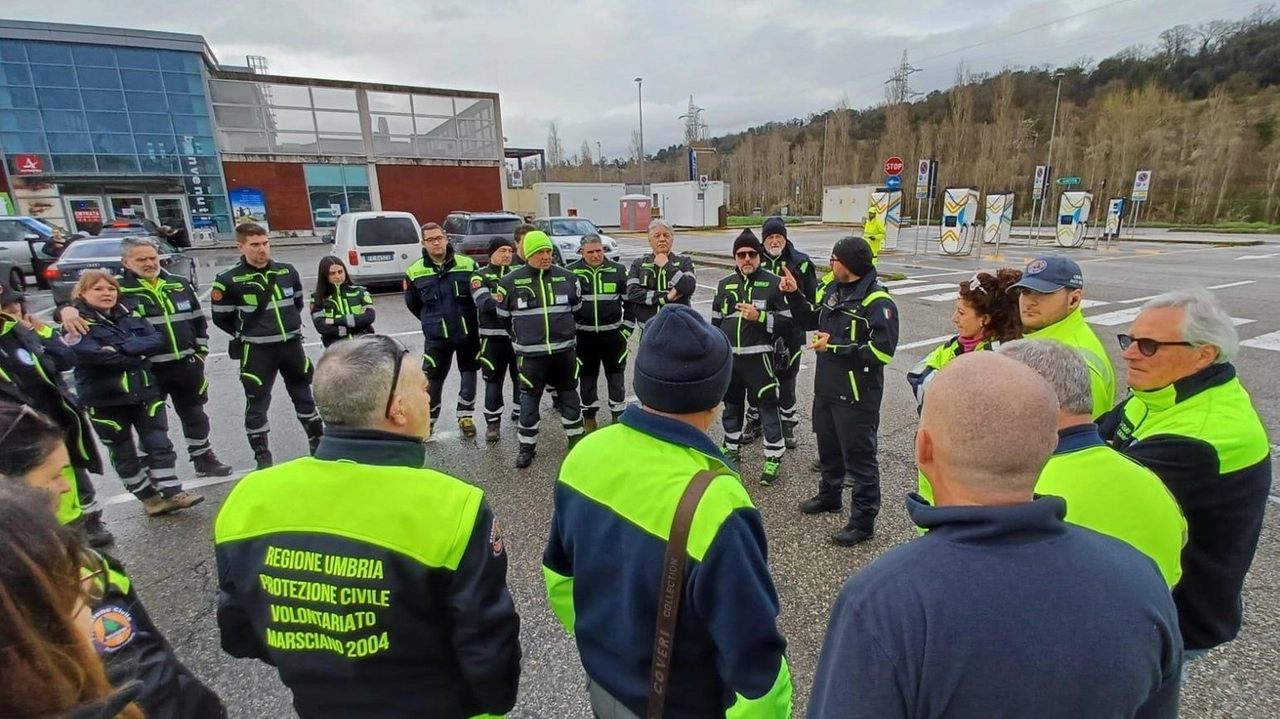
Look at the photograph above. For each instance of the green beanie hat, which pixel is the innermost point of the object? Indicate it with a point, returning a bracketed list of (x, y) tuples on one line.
[(536, 241)]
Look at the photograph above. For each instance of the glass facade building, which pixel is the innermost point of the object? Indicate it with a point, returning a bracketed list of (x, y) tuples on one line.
[(107, 114)]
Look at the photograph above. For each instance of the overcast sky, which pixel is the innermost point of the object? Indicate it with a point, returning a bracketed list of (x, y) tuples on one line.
[(746, 62)]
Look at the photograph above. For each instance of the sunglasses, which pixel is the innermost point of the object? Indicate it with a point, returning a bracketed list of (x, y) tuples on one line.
[(24, 412), (1147, 346), (746, 254), (398, 353)]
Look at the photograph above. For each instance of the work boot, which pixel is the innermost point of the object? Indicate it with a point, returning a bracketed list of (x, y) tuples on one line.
[(468, 426), (733, 455), (820, 503), (159, 505), (525, 457), (849, 536), (770, 473), (815, 465), (94, 531), (261, 451), (750, 431), (186, 500), (589, 424), (207, 465), (492, 432), (315, 430), (789, 436)]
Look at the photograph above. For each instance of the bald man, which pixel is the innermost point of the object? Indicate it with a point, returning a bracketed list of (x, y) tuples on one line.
[(1002, 609)]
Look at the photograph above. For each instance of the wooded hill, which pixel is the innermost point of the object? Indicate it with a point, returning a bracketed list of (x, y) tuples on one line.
[(1201, 109)]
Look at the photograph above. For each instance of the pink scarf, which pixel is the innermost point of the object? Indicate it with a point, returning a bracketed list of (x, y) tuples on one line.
[(969, 343)]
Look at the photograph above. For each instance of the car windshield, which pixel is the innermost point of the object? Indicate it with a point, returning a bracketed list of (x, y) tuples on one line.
[(494, 226), (105, 249), (572, 227)]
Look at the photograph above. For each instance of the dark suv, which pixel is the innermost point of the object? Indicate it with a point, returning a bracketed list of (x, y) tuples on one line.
[(469, 232)]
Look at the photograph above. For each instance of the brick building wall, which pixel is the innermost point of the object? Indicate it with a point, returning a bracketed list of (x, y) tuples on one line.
[(285, 188), (431, 191)]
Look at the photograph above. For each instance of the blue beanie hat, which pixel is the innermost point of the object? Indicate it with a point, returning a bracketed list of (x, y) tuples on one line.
[(773, 226), (684, 364)]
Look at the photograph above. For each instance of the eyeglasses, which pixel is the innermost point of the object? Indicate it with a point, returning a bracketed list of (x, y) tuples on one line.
[(398, 351), (23, 412), (1147, 346), (93, 576), (435, 240), (834, 259), (746, 254)]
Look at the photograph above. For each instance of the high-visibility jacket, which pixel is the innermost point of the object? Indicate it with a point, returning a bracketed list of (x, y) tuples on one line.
[(760, 290), (862, 320), (376, 587), (924, 372), (604, 290), (648, 284), (805, 273), (484, 282), (537, 307), (347, 312), (439, 295), (873, 232), (619, 489), (259, 305), (172, 306), (1203, 437), (1074, 332)]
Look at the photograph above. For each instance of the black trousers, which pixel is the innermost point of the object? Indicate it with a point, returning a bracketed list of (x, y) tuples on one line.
[(497, 362), (152, 473), (608, 350), (437, 358), (847, 440), (753, 377), (786, 362), (258, 369), (558, 371), (184, 382)]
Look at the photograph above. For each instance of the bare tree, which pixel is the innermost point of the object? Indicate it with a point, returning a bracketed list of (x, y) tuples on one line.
[(1211, 34), (1176, 41), (585, 154), (555, 148)]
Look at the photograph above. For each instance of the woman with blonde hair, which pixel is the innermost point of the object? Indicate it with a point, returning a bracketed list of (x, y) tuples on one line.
[(115, 381)]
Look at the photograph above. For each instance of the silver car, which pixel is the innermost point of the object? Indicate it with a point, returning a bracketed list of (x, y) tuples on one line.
[(566, 234), (103, 253)]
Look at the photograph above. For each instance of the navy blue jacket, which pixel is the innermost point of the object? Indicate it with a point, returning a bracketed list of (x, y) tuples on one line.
[(121, 375), (440, 297), (1001, 612)]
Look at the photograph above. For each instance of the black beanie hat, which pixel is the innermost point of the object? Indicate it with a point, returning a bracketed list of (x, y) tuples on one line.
[(773, 226), (748, 240), (855, 254), (497, 242), (684, 364)]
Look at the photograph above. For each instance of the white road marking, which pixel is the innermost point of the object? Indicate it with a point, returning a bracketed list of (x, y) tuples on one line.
[(925, 343), (1138, 299), (1242, 283), (900, 283), (125, 497), (1119, 317), (1269, 341), (944, 297), (1258, 257), (922, 289), (1087, 304), (318, 344)]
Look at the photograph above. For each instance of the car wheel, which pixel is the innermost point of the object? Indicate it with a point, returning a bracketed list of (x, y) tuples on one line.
[(194, 278), (556, 258), (17, 280)]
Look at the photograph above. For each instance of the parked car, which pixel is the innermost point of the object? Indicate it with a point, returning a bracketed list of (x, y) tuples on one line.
[(22, 241), (11, 275), (325, 218), (469, 232), (143, 225), (103, 253), (377, 247), (566, 234)]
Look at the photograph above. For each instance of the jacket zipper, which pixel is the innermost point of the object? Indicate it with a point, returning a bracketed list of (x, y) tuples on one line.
[(546, 310)]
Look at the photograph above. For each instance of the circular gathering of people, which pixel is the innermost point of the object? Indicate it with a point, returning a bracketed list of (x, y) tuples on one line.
[(1117, 536)]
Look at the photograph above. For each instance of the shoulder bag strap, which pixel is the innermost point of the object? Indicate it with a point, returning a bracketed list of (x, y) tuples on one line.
[(672, 589)]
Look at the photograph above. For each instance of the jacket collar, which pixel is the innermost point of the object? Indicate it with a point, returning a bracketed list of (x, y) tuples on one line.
[(1187, 387), (1016, 524), (1064, 326), (91, 312), (445, 263), (858, 289), (371, 446), (131, 278), (673, 431), (1081, 436)]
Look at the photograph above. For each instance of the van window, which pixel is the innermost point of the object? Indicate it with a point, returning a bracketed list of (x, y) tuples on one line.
[(380, 231), (496, 226)]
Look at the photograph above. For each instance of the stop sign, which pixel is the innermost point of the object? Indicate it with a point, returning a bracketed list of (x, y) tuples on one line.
[(893, 166)]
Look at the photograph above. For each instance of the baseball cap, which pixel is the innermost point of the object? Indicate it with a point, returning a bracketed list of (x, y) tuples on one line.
[(1050, 274)]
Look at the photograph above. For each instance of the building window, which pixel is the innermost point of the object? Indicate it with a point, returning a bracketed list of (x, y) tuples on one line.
[(335, 190)]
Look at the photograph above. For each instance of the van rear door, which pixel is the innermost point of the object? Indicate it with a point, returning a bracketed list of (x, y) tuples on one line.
[(387, 245)]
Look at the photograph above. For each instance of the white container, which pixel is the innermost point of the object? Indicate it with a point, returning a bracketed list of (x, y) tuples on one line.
[(686, 204), (595, 201), (999, 218), (889, 204), (847, 205)]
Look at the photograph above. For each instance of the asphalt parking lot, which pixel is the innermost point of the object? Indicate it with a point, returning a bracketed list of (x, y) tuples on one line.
[(171, 558)]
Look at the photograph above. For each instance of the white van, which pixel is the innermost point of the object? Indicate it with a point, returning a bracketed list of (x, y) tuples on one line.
[(377, 247)]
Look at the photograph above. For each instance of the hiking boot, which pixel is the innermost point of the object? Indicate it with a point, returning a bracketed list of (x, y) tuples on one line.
[(750, 432), (819, 504), (589, 424), (94, 531), (207, 465), (849, 536), (158, 505), (789, 436), (492, 432), (186, 500), (261, 451), (525, 457), (733, 455), (468, 426), (770, 473)]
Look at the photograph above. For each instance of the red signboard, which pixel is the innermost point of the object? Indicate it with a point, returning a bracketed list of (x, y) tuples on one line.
[(893, 166), (29, 164)]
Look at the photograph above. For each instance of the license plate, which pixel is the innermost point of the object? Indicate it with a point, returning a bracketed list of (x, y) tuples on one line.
[(380, 257)]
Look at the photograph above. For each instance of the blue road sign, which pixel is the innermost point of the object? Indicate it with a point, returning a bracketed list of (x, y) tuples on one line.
[(893, 182)]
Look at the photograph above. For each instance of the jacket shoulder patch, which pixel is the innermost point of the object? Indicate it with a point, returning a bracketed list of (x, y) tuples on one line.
[(495, 538), (113, 629)]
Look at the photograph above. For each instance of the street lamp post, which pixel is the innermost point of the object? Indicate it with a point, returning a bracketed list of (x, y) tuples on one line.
[(1048, 164), (640, 95), (600, 160)]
